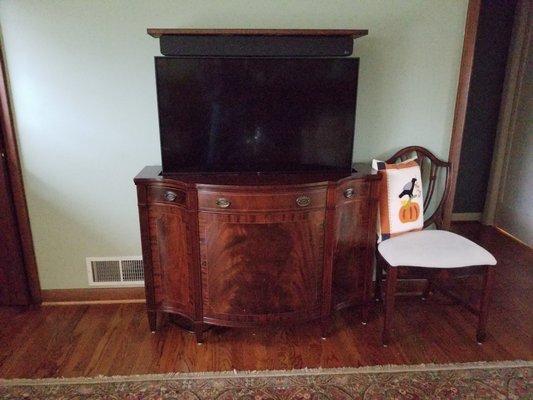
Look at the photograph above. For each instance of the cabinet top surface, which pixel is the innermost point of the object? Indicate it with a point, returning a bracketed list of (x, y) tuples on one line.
[(354, 33), (154, 173)]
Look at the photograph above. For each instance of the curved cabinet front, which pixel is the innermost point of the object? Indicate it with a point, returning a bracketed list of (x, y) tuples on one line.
[(250, 255)]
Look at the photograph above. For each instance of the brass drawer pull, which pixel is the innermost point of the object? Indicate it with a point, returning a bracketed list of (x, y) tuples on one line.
[(303, 201), (170, 196), (349, 193), (223, 203)]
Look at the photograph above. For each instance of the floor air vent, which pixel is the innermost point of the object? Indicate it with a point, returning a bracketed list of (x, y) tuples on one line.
[(115, 271)]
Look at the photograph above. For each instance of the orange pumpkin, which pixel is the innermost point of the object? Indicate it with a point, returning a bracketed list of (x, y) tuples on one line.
[(409, 212)]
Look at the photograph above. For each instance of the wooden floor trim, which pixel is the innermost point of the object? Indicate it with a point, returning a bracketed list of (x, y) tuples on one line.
[(93, 296), (54, 297), (510, 235), (81, 302)]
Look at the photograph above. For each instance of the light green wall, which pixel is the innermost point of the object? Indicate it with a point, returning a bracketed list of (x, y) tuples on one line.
[(82, 79)]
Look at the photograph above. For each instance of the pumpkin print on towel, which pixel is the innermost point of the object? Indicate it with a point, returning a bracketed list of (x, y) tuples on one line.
[(410, 210), (400, 202)]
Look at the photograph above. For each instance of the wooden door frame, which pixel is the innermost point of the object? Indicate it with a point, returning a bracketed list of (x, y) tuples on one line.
[(7, 130), (461, 104)]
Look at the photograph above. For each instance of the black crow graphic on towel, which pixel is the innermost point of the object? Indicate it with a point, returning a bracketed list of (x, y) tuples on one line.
[(408, 189)]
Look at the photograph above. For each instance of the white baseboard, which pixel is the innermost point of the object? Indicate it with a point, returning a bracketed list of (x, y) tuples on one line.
[(466, 216)]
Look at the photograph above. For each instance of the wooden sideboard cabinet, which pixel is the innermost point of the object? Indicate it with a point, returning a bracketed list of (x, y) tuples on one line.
[(242, 250)]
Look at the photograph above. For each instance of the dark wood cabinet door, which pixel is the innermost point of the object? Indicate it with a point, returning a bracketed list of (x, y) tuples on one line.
[(261, 267), (353, 251), (170, 244)]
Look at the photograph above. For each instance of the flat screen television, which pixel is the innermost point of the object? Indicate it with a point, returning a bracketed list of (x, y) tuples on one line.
[(256, 114)]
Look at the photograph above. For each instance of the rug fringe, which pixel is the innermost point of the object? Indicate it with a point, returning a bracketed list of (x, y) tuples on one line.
[(389, 368)]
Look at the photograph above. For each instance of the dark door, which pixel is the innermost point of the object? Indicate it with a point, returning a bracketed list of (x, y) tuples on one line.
[(13, 282)]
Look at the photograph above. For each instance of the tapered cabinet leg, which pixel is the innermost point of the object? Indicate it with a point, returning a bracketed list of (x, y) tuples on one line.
[(325, 327), (390, 292), (152, 320), (199, 330), (488, 282)]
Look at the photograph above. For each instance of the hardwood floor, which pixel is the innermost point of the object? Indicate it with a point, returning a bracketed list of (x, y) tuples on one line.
[(114, 339)]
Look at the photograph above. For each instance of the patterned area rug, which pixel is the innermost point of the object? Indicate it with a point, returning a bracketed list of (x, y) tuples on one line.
[(496, 380)]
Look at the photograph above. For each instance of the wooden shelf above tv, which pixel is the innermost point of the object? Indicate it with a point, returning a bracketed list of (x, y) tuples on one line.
[(354, 33)]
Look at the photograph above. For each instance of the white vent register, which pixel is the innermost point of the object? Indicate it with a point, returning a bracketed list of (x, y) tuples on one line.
[(115, 271)]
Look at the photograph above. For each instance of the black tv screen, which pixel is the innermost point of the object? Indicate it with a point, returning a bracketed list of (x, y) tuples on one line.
[(256, 114)]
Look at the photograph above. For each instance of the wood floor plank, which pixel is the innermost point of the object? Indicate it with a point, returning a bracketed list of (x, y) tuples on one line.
[(114, 339)]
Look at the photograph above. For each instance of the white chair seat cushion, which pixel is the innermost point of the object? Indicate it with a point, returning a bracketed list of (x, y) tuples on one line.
[(433, 249)]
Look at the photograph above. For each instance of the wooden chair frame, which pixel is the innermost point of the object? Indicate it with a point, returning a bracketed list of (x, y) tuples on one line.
[(435, 276)]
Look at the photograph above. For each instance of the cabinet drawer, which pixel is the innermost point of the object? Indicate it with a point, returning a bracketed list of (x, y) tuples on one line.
[(352, 190), (271, 200), (167, 195)]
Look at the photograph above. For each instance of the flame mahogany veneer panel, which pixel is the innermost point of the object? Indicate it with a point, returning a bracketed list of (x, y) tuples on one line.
[(171, 258), (261, 266)]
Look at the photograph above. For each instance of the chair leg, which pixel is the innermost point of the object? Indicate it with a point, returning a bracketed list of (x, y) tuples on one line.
[(390, 292), (325, 327), (488, 281), (364, 312), (379, 279)]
